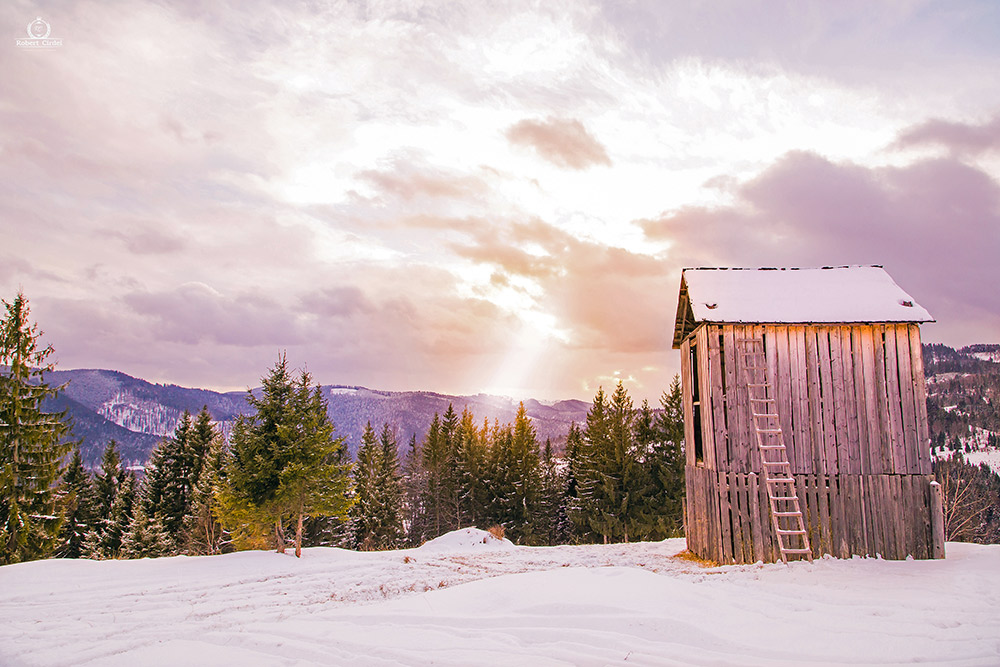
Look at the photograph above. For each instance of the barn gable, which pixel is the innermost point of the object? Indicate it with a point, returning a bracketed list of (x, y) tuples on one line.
[(845, 294)]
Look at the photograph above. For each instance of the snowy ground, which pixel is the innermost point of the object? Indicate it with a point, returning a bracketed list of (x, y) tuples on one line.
[(460, 601)]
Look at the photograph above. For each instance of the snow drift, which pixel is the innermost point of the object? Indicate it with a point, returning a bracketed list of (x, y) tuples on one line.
[(461, 602)]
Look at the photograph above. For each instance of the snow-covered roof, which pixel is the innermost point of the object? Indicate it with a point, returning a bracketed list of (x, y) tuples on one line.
[(843, 294)]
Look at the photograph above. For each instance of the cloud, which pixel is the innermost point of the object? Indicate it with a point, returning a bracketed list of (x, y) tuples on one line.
[(563, 142), (959, 138), (409, 177), (934, 225)]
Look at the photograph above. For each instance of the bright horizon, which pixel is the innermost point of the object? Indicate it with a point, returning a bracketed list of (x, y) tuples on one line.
[(486, 197)]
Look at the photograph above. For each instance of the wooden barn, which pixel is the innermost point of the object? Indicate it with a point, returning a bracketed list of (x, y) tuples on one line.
[(805, 416)]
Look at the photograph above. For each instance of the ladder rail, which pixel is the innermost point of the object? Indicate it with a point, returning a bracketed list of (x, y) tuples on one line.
[(773, 453)]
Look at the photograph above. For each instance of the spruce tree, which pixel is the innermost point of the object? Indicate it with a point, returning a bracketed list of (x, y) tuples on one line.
[(666, 458), (470, 462), (554, 524), (415, 495), (105, 541), (108, 479), (203, 534), (391, 485), (78, 501), (364, 512), (285, 463), (435, 461), (31, 452), (146, 537)]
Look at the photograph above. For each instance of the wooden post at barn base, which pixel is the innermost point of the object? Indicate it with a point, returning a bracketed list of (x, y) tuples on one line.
[(937, 521)]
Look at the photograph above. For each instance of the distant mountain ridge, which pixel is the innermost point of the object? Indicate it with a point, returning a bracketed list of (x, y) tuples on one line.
[(106, 404)]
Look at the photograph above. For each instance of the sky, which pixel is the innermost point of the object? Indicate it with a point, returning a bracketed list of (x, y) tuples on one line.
[(480, 196)]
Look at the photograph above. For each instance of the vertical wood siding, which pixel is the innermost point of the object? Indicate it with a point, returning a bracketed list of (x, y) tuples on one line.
[(850, 399), (852, 405), (846, 515)]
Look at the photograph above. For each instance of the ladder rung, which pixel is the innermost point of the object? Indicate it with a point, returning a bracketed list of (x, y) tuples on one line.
[(776, 463), (783, 497), (787, 513), (770, 446), (762, 400), (789, 532), (758, 384), (769, 430), (787, 480), (768, 415), (796, 551)]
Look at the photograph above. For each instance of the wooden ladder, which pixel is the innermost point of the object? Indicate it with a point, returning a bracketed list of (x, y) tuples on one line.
[(786, 514)]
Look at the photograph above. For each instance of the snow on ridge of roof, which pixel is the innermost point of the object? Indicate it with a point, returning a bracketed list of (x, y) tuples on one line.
[(799, 295)]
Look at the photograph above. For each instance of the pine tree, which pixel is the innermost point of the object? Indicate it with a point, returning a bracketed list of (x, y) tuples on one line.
[(78, 501), (285, 463), (435, 462), (173, 471), (391, 484), (666, 458), (105, 541), (554, 524), (610, 477), (365, 509), (146, 538), (470, 463), (108, 479), (415, 496), (377, 512), (203, 534), (30, 450)]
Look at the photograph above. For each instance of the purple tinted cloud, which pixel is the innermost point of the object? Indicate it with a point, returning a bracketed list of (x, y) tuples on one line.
[(959, 138)]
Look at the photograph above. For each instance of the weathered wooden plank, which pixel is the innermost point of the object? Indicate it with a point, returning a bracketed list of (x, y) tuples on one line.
[(861, 409), (782, 386), (908, 400), (828, 399), (741, 537), (909, 513), (843, 535), (747, 503), (896, 510), (817, 464), (887, 516), (723, 455), (703, 514), (823, 510), (705, 393), (884, 425), (753, 502), (869, 490), (807, 505), (739, 446), (725, 515), (800, 400), (920, 400), (691, 516), (856, 518), (853, 442), (871, 462), (687, 401), (893, 397), (837, 400)]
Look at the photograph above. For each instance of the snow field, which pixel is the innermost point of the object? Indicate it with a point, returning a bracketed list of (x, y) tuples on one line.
[(461, 601)]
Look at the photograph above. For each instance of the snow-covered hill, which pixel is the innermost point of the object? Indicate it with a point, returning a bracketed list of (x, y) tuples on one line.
[(466, 601)]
